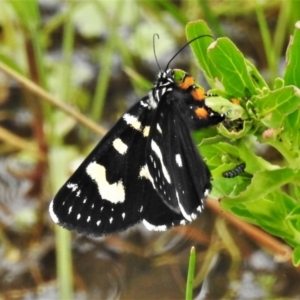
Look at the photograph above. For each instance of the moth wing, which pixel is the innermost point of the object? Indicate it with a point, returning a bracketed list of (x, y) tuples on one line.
[(178, 172), (105, 194)]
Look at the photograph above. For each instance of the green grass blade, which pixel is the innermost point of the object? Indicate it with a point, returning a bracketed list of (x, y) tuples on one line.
[(191, 273), (60, 158), (64, 263), (267, 41)]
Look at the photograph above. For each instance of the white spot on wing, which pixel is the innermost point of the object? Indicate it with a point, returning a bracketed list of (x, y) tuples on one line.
[(146, 131), (133, 122), (98, 223), (151, 101), (70, 209), (186, 216), (194, 216), (178, 160), (206, 193), (143, 104), (153, 227), (114, 192), (120, 146), (183, 222), (158, 128), (78, 216), (72, 186), (144, 173), (157, 151), (52, 214), (157, 95)]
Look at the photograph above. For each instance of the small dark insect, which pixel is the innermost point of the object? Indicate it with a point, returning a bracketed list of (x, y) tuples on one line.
[(239, 169)]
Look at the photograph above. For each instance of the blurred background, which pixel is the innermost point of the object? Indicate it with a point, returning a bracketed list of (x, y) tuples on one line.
[(97, 57)]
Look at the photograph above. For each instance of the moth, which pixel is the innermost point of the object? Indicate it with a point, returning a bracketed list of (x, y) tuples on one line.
[(146, 168)]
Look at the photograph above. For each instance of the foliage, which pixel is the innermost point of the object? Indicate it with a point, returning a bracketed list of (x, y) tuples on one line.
[(268, 194)]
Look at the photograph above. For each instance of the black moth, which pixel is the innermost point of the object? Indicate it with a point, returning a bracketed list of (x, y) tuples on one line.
[(146, 168)]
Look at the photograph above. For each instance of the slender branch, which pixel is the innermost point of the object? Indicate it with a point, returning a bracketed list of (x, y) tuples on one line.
[(20, 143), (41, 93), (261, 237)]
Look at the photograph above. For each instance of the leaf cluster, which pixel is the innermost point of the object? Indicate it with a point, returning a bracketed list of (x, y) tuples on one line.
[(268, 193)]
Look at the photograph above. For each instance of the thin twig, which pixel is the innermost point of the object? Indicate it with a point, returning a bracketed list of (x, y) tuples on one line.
[(41, 93), (262, 238), (20, 143)]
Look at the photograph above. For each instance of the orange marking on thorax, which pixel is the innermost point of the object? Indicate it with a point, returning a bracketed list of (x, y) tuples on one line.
[(201, 112), (198, 94), (187, 82)]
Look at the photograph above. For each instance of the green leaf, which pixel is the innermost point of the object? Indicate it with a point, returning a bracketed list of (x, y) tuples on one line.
[(236, 134), (232, 69), (224, 65), (257, 79), (273, 106), (199, 46), (253, 162), (294, 215), (270, 213), (296, 256), (291, 75), (290, 136), (230, 187), (263, 183), (222, 105), (206, 136)]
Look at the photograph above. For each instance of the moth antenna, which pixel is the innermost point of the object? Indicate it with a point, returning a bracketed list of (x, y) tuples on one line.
[(155, 35), (189, 42)]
